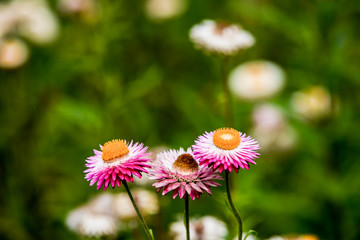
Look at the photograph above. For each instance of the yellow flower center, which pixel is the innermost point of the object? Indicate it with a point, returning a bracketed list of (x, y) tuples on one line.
[(186, 164), (226, 138), (114, 149)]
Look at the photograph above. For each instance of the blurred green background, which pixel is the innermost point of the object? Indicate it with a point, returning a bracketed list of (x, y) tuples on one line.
[(122, 75)]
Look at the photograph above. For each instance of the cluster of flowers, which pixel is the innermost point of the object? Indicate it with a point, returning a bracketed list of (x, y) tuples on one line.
[(107, 214), (185, 173), (259, 80)]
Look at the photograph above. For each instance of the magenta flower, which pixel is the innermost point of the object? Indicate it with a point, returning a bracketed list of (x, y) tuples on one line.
[(179, 171), (226, 149), (116, 162)]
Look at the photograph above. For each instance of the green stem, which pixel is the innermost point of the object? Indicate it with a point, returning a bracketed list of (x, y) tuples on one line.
[(227, 101), (187, 217), (232, 206), (146, 228)]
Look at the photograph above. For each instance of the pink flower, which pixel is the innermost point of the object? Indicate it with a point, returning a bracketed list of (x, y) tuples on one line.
[(226, 149), (179, 171), (117, 161)]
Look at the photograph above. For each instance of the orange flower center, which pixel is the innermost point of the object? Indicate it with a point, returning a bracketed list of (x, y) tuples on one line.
[(226, 138), (186, 164), (114, 149), (308, 237)]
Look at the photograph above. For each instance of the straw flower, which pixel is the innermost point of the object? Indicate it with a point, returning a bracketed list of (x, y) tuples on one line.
[(13, 53), (220, 37), (312, 103), (272, 130), (256, 80), (226, 149), (87, 222), (207, 228), (164, 9), (146, 201), (116, 162), (179, 171)]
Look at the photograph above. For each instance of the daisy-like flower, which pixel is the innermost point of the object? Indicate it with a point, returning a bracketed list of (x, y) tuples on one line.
[(146, 201), (207, 228), (272, 129), (220, 37), (226, 149), (87, 222), (116, 162), (256, 80), (180, 172), (312, 103), (164, 9), (13, 53)]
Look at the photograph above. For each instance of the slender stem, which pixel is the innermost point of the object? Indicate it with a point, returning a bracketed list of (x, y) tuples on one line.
[(227, 101), (187, 217), (232, 206), (146, 228)]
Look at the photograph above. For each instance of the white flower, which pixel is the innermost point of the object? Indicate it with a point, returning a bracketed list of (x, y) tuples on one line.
[(272, 130), (37, 22), (164, 9), (102, 204), (220, 38), (86, 222), (256, 80), (207, 227), (13, 53), (146, 201), (312, 103), (30, 18)]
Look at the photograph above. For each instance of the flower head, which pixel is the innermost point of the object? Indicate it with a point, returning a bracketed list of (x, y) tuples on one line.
[(312, 103), (226, 149), (220, 37), (13, 53), (207, 227), (117, 161), (180, 172), (164, 9), (87, 221), (146, 201), (256, 80), (272, 129)]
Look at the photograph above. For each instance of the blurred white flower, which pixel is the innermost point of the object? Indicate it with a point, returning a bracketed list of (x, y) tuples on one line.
[(207, 227), (276, 238), (88, 223), (220, 37), (164, 9), (250, 237), (8, 19), (256, 80), (272, 130), (37, 22), (29, 18), (146, 201), (13, 53), (312, 103), (102, 204)]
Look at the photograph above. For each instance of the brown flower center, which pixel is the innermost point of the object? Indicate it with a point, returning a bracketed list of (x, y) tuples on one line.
[(226, 138), (220, 27), (186, 164), (114, 149)]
